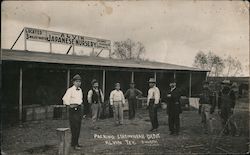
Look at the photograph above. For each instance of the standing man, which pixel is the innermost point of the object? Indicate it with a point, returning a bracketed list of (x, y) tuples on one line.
[(174, 108), (73, 98), (207, 107), (131, 94), (226, 103), (117, 100), (153, 103), (95, 99)]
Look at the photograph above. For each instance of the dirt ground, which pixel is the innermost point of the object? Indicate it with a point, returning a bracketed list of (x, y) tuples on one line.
[(39, 137)]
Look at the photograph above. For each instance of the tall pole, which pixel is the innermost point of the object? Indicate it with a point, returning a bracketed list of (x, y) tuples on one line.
[(190, 84), (50, 47), (20, 94), (103, 81), (174, 76), (132, 77), (68, 78), (25, 40)]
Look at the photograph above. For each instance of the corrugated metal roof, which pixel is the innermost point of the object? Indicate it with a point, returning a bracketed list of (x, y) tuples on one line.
[(30, 56)]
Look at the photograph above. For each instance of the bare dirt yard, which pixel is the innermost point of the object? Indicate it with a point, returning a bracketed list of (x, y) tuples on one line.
[(39, 137)]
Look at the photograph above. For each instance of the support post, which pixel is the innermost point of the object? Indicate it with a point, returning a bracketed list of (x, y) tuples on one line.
[(25, 41), (190, 84), (174, 76), (20, 94), (132, 77), (50, 47), (73, 46), (68, 78), (155, 76), (103, 81), (64, 139)]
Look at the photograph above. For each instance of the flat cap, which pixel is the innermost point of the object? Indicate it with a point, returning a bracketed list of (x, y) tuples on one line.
[(76, 77)]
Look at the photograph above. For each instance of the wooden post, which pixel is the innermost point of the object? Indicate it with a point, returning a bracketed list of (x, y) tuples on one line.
[(103, 81), (25, 41), (50, 47), (190, 84), (20, 94), (175, 76), (73, 46), (132, 77), (64, 141), (155, 76), (68, 78)]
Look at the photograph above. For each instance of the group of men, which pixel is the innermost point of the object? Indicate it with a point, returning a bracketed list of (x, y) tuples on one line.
[(73, 98), (226, 102)]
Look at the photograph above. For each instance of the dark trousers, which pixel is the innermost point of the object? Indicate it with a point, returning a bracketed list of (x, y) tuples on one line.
[(75, 124), (227, 122), (153, 114), (174, 122), (131, 106)]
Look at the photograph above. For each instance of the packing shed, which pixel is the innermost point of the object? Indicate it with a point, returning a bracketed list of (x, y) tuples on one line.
[(40, 79)]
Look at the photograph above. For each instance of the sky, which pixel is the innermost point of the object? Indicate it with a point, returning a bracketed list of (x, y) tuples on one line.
[(172, 31)]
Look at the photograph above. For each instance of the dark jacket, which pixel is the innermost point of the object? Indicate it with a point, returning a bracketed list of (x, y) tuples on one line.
[(173, 102), (226, 98)]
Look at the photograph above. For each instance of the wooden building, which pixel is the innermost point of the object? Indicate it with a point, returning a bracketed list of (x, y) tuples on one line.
[(39, 78)]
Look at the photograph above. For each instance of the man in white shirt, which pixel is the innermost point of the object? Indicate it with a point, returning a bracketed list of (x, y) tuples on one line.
[(73, 99), (95, 99), (117, 100), (153, 103)]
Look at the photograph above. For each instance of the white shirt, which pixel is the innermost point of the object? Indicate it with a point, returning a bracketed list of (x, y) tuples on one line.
[(116, 95), (154, 93), (90, 93), (73, 96)]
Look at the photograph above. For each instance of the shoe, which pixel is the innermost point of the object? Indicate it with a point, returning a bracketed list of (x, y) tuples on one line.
[(171, 133), (76, 148), (151, 130), (79, 145)]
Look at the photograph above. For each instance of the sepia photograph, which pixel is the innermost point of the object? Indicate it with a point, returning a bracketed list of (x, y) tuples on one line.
[(127, 77)]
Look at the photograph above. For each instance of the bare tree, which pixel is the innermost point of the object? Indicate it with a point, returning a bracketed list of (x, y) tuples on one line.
[(209, 61), (233, 66), (128, 49)]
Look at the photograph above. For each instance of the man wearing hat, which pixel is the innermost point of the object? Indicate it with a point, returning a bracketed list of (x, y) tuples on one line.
[(117, 100), (131, 94), (173, 108), (153, 100), (226, 103), (207, 107), (73, 98), (95, 99)]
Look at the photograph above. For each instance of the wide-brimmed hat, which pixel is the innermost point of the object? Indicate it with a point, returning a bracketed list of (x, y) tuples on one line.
[(132, 83), (94, 81), (151, 80), (76, 77), (227, 82)]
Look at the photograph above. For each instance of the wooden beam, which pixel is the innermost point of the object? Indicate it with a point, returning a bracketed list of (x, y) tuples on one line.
[(50, 47), (68, 78), (132, 77), (103, 81), (190, 84), (20, 94), (174, 76), (155, 76)]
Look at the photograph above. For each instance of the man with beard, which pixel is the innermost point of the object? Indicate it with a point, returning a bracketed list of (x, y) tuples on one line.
[(174, 108)]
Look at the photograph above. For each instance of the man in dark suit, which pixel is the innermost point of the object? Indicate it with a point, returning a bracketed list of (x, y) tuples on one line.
[(173, 108)]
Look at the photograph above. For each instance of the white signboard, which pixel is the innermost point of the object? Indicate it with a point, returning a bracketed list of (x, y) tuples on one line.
[(64, 38)]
